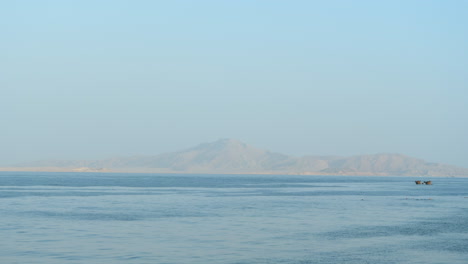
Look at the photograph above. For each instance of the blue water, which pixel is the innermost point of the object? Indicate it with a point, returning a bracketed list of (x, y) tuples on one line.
[(147, 218)]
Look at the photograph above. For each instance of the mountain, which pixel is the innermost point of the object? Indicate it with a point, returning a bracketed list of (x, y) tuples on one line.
[(232, 156), (390, 164), (224, 155)]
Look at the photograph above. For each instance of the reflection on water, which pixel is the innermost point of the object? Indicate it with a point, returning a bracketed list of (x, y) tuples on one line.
[(144, 218)]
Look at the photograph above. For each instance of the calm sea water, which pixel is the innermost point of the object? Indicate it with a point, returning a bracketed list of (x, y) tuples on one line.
[(147, 218)]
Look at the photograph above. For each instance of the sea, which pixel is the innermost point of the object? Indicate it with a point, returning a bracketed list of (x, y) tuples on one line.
[(48, 218)]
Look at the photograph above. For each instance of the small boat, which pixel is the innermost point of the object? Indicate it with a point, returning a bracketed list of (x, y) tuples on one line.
[(424, 182)]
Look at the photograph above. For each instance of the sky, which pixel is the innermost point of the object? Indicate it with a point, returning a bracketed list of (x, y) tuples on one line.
[(93, 79)]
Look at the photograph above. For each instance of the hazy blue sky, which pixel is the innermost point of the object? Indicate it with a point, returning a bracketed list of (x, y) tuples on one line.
[(96, 79)]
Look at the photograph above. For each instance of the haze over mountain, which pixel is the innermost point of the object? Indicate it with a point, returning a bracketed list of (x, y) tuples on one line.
[(232, 156), (97, 79)]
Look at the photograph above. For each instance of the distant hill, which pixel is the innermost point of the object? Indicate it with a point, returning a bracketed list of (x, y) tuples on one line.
[(232, 156)]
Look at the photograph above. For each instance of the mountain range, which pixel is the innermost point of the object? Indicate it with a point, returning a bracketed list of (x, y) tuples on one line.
[(230, 156)]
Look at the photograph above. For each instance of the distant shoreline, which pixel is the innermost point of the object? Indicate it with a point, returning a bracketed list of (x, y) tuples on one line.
[(148, 171)]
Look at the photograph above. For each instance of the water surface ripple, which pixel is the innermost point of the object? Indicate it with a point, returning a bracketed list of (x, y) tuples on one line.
[(233, 219)]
